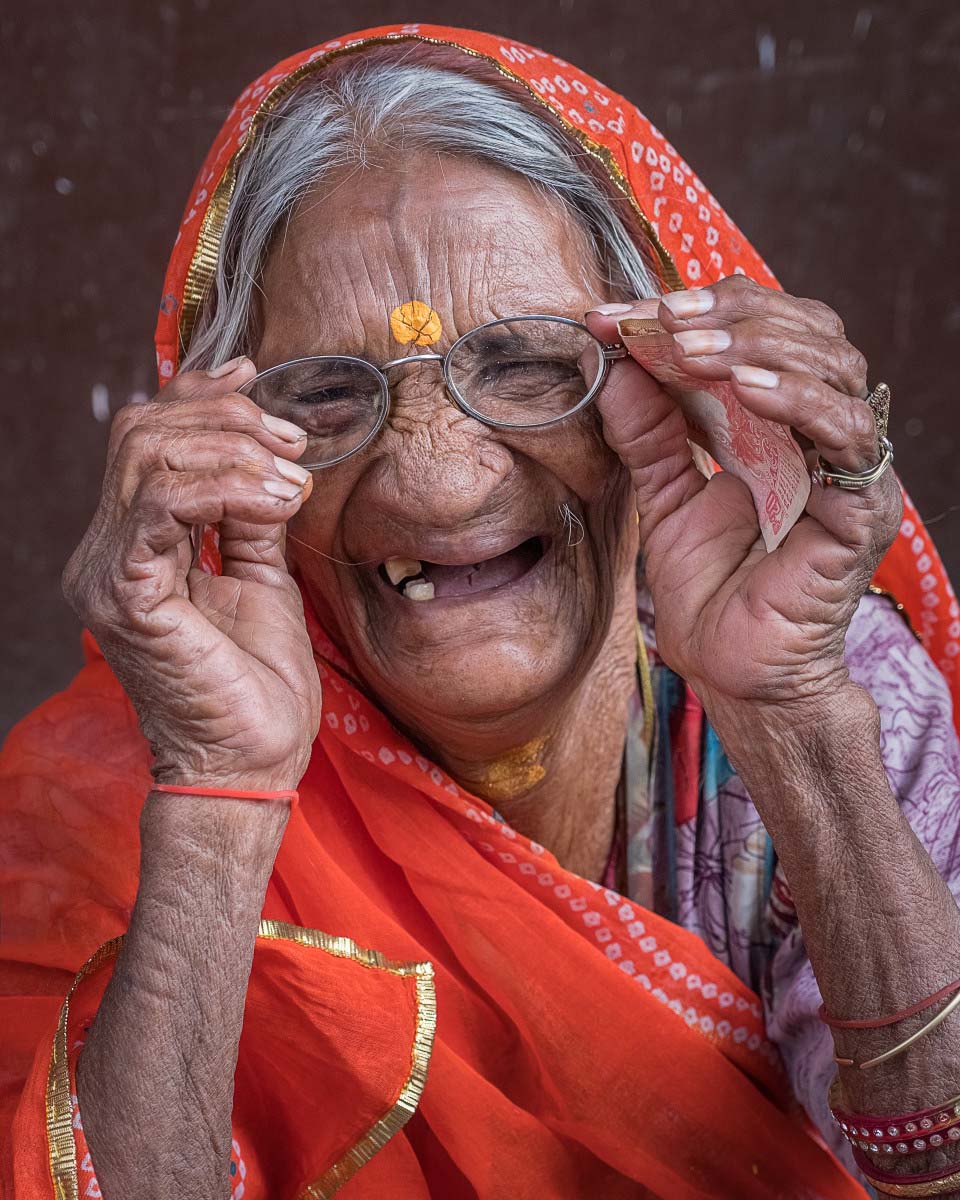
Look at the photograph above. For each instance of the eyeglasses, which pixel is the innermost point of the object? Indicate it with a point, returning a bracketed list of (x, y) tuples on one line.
[(516, 373)]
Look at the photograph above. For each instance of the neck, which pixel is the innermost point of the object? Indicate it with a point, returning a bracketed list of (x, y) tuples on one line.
[(558, 786)]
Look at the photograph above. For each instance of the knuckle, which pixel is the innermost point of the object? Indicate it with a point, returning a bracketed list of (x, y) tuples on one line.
[(243, 449), (741, 292), (187, 385), (856, 365), (826, 317), (860, 423), (811, 403), (125, 420), (139, 443), (238, 410), (764, 339), (156, 490)]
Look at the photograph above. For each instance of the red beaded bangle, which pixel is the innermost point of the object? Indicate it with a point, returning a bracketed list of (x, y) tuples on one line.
[(926, 1129), (879, 1022), (226, 793), (939, 1114), (879, 1140)]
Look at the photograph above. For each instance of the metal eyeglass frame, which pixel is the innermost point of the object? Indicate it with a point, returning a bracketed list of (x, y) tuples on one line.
[(608, 353)]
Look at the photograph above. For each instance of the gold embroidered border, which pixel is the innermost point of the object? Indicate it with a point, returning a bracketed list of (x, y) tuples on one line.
[(60, 1144), (204, 260), (406, 1102), (62, 1148)]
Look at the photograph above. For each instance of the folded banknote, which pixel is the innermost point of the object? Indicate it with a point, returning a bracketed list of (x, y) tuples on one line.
[(760, 452)]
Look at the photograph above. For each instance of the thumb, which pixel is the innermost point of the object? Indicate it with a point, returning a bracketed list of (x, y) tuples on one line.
[(217, 381), (648, 432)]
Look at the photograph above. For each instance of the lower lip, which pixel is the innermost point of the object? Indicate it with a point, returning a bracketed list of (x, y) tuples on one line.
[(523, 583)]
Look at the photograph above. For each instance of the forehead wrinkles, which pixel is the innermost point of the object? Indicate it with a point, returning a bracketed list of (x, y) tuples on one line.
[(475, 253)]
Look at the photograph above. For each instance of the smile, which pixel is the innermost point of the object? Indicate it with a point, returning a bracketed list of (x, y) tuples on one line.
[(420, 580)]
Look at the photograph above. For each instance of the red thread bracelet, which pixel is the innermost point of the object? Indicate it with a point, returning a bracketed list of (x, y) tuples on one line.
[(226, 793), (879, 1022)]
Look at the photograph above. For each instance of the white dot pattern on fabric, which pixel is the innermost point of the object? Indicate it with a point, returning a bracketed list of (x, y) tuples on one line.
[(655, 169), (603, 916), (696, 242)]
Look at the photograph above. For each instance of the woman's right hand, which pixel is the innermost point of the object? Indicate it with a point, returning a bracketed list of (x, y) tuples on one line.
[(219, 668)]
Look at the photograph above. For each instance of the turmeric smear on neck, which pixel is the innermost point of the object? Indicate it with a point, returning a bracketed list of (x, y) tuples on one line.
[(514, 773)]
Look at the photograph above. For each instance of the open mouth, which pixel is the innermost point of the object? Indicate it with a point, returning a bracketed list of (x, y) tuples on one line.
[(418, 580)]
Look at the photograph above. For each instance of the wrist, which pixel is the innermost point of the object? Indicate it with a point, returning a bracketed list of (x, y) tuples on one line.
[(217, 830), (282, 776), (812, 758), (763, 730)]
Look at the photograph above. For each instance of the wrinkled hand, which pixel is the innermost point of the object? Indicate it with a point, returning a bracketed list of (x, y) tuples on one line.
[(219, 668), (742, 625)]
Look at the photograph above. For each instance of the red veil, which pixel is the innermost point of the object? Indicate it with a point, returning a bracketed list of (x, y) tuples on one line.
[(417, 955)]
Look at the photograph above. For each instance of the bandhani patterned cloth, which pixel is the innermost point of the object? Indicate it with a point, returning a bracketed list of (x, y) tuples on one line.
[(692, 241), (437, 1007)]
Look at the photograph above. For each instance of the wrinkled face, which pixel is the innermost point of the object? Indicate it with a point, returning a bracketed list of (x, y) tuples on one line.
[(520, 602)]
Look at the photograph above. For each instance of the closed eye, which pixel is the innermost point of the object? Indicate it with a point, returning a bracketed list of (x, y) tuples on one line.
[(543, 370)]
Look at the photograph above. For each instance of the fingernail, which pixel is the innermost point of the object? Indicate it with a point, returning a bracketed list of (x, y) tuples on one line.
[(291, 471), (283, 429), (755, 377), (281, 488), (611, 310), (225, 368), (703, 341), (689, 304)]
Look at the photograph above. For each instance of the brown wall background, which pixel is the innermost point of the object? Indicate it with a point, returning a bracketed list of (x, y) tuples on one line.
[(828, 129)]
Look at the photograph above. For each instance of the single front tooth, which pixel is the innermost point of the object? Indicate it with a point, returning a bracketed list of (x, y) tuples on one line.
[(419, 589), (398, 569)]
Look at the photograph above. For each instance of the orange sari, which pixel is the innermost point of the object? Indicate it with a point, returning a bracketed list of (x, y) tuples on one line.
[(433, 998)]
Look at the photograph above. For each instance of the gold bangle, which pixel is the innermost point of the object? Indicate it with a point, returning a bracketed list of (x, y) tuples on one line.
[(906, 1043), (935, 1187)]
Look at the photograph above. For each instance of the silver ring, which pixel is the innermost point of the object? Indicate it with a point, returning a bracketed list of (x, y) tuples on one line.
[(828, 475)]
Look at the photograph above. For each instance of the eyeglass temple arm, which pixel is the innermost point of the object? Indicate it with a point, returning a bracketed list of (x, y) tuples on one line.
[(610, 354)]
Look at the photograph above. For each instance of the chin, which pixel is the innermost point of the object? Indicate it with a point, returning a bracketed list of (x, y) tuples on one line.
[(475, 654)]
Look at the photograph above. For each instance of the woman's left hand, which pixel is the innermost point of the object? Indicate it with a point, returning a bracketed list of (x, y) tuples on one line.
[(740, 624)]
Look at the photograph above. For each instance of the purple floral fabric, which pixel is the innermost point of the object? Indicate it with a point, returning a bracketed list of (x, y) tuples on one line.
[(725, 885)]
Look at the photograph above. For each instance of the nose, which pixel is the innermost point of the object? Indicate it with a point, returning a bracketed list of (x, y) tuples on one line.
[(437, 464)]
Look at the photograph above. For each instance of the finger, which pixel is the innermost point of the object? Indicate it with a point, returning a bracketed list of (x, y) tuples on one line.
[(169, 503), (737, 297), (710, 353), (648, 432), (196, 400), (839, 427), (255, 552), (148, 447)]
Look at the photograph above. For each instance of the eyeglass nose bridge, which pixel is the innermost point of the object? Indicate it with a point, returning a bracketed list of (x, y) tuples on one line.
[(439, 358), (610, 352), (412, 358)]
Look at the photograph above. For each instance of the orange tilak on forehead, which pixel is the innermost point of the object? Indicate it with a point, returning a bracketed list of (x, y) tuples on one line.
[(415, 322)]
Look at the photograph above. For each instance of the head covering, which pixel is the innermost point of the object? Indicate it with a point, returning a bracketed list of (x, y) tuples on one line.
[(580, 1043), (692, 241)]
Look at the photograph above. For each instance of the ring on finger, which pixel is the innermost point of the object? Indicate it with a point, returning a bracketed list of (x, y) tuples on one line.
[(828, 475)]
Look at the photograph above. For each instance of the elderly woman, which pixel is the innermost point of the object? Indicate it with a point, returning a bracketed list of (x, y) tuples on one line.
[(534, 926)]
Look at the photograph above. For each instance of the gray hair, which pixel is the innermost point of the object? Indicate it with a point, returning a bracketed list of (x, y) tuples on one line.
[(338, 118)]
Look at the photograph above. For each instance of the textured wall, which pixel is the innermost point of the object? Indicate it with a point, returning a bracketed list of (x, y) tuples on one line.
[(828, 129)]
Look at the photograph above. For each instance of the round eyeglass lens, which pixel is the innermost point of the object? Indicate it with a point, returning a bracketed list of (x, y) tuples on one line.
[(525, 371), (340, 402)]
